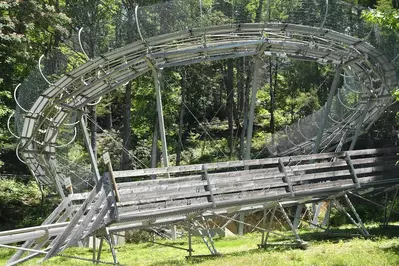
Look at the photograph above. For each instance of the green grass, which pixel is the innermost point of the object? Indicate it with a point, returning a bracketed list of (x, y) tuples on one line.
[(378, 250)]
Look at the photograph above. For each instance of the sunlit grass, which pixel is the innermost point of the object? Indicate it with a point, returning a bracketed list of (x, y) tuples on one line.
[(378, 250)]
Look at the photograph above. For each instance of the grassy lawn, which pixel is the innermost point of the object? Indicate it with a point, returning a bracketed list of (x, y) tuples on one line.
[(382, 249)]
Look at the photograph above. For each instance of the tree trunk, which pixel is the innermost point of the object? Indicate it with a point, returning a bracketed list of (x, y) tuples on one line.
[(230, 104), (127, 113), (181, 120), (93, 130), (248, 79), (259, 12), (242, 103), (272, 100), (154, 148)]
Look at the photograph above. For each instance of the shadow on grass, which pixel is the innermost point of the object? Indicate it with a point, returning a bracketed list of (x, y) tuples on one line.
[(309, 236), (349, 233)]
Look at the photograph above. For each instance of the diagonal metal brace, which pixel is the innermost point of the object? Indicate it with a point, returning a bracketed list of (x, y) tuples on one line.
[(208, 187), (352, 170), (286, 178)]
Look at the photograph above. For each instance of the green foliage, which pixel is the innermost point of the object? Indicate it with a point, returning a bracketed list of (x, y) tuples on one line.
[(21, 204), (385, 15), (243, 251)]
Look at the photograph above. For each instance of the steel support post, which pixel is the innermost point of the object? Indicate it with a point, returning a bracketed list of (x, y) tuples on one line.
[(340, 207), (289, 223), (326, 221), (315, 221), (86, 139), (209, 235), (297, 218), (255, 82), (100, 248), (241, 225), (111, 244), (210, 246), (157, 76), (366, 233), (264, 221), (385, 208), (327, 109), (391, 208), (190, 249), (94, 246), (359, 125), (173, 232), (269, 227)]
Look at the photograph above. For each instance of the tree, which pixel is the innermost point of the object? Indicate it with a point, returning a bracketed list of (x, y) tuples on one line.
[(386, 14), (28, 29)]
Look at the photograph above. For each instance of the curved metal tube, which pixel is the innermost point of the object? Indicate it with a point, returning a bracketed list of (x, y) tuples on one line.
[(80, 43), (40, 70), (8, 125), (314, 119), (325, 16), (300, 132), (286, 132), (72, 140), (396, 57), (335, 121), (15, 98), (95, 103), (17, 153), (368, 34), (72, 124), (343, 104), (138, 26)]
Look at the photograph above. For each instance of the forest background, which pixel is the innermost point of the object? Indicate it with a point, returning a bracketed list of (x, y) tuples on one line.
[(205, 105)]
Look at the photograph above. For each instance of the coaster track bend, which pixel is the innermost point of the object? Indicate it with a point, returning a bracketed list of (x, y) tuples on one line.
[(99, 76)]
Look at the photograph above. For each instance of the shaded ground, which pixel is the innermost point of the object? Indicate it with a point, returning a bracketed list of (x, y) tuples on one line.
[(380, 249)]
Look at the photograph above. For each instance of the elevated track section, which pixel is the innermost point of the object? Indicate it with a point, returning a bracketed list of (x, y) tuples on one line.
[(206, 190), (361, 91)]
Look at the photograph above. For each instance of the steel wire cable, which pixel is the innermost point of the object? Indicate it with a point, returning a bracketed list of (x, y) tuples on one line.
[(135, 159)]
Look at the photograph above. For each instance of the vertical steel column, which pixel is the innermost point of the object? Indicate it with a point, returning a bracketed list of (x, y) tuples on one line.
[(297, 218), (100, 248), (269, 228), (359, 125), (391, 208), (255, 80), (156, 75), (315, 221), (111, 242), (87, 141), (326, 221), (327, 110), (190, 250), (94, 246), (241, 225)]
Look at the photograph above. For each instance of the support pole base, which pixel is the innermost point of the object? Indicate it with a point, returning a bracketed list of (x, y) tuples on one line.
[(204, 256), (299, 244)]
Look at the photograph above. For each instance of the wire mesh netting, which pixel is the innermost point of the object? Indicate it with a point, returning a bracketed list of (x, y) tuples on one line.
[(196, 25)]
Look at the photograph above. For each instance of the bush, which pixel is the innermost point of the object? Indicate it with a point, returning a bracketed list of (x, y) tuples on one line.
[(22, 205), (138, 236)]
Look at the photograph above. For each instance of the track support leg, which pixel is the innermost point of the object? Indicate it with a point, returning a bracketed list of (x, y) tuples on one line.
[(288, 220), (265, 235), (387, 215)]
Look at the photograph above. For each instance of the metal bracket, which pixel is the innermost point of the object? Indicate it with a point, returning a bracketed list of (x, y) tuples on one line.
[(208, 187)]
